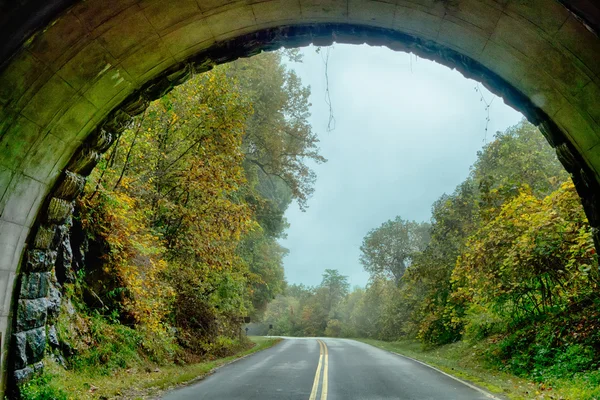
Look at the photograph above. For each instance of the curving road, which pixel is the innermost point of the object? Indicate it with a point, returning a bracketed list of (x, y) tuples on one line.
[(326, 369)]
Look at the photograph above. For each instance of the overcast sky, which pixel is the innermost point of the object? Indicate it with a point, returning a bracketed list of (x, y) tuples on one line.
[(403, 137)]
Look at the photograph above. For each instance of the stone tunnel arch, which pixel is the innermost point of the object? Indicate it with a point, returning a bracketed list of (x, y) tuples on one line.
[(75, 72)]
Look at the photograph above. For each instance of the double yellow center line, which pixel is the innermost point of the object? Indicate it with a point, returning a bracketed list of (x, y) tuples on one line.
[(323, 365)]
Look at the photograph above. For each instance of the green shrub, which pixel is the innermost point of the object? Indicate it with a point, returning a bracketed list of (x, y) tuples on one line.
[(159, 347), (224, 346), (541, 352), (481, 323), (571, 360), (40, 388), (113, 347)]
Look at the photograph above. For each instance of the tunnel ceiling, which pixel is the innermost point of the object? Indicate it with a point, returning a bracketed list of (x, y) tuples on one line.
[(18, 20)]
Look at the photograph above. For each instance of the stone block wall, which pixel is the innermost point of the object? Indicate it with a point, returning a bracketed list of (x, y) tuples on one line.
[(39, 292)]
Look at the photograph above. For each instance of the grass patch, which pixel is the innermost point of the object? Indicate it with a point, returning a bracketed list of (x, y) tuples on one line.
[(465, 361), (134, 383)]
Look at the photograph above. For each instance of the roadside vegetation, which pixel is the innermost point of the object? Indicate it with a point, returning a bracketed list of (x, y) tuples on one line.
[(143, 380), (503, 277), (174, 242)]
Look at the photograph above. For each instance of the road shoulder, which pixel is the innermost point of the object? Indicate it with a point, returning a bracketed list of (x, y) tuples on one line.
[(494, 384)]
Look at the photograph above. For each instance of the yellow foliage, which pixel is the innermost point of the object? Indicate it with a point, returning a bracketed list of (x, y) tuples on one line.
[(135, 257), (532, 256), (167, 202)]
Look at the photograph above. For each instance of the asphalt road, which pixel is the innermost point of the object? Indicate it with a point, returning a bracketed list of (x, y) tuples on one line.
[(326, 369)]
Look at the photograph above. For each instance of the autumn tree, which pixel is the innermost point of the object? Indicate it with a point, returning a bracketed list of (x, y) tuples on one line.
[(518, 156), (279, 139), (264, 259), (389, 249), (336, 286), (277, 143)]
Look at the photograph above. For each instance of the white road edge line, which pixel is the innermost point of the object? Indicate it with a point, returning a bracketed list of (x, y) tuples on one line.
[(480, 390)]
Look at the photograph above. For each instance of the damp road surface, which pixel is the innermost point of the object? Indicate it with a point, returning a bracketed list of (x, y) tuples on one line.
[(326, 369)]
